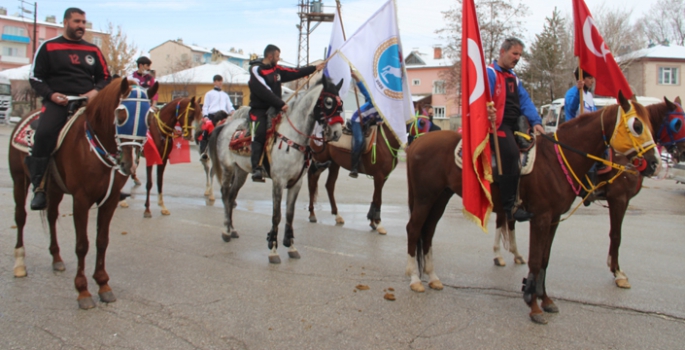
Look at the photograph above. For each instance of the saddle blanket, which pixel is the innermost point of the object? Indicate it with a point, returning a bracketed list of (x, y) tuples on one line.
[(345, 141), (22, 137), (527, 159)]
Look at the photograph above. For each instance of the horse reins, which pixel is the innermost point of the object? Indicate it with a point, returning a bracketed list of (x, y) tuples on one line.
[(167, 131)]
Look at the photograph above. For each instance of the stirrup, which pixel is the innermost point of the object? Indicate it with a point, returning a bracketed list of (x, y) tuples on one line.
[(519, 215), (257, 175)]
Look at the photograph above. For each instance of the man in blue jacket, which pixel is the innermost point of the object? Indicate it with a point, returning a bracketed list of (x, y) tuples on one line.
[(572, 99), (511, 101)]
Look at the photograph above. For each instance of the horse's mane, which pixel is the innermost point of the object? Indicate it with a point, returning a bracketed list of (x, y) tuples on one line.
[(608, 111), (308, 98), (657, 112), (100, 111)]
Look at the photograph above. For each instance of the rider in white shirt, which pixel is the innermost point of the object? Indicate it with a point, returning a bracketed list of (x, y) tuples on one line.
[(217, 107)]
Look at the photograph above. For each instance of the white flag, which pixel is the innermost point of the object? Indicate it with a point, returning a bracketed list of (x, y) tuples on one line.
[(375, 51), (337, 68)]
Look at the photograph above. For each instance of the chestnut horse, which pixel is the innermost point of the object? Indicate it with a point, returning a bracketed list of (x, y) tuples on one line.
[(378, 163), (92, 164), (545, 191), (668, 118), (184, 111)]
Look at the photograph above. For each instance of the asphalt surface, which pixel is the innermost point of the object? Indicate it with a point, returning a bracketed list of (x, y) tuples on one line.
[(179, 286)]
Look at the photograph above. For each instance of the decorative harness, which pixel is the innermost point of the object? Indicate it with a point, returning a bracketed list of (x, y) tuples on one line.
[(671, 131), (168, 131)]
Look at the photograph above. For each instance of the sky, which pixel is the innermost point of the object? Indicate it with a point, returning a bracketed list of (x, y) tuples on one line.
[(252, 24)]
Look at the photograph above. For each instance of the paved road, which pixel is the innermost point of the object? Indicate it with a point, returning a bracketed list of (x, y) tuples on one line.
[(179, 286)]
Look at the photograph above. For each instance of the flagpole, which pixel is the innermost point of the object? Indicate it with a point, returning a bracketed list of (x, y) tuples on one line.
[(310, 78), (582, 90), (354, 86), (494, 131)]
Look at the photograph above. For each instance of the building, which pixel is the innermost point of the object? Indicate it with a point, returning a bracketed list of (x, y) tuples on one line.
[(17, 33), (174, 55), (234, 56), (197, 81), (426, 75), (655, 71)]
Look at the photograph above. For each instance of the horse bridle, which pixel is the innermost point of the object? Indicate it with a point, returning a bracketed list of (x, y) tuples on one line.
[(326, 101), (186, 127), (672, 126)]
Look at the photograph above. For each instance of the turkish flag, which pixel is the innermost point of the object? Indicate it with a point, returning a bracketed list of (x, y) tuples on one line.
[(180, 152), (476, 168), (594, 55), (150, 152)]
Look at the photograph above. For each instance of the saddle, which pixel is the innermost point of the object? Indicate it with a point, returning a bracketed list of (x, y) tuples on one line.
[(241, 140), (22, 137), (527, 158), (345, 141)]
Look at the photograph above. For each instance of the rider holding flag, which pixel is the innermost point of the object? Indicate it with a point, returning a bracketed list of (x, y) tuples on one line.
[(369, 114)]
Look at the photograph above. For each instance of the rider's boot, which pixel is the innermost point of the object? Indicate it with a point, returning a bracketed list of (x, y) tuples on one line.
[(354, 169), (257, 171), (37, 167), (508, 189)]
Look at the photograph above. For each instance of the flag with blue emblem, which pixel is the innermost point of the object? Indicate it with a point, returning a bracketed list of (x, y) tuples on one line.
[(336, 68), (375, 51)]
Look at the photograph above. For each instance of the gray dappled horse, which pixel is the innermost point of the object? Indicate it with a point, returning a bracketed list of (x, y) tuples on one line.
[(288, 156)]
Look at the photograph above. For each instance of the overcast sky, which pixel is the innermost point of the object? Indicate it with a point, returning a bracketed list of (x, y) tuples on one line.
[(252, 24)]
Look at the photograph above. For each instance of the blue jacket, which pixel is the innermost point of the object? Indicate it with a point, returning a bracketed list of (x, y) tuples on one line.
[(572, 104), (496, 77), (367, 109)]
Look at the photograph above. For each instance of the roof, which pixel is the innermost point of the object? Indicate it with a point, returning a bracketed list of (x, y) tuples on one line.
[(234, 54), (424, 60), (191, 47), (205, 73), (656, 52), (20, 73), (43, 23)]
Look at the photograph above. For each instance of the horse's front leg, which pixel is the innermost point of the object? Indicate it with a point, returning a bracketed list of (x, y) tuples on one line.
[(312, 186), (80, 208), (272, 236), (209, 176), (547, 303), (228, 194), (148, 188), (617, 211), (374, 214), (532, 287), (21, 187), (55, 195), (105, 213), (160, 183), (289, 236), (333, 171)]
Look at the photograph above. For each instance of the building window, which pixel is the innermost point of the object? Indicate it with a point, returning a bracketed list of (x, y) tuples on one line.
[(16, 31), (438, 87), (438, 112), (10, 51), (97, 41), (236, 99), (668, 76), (197, 58), (416, 82)]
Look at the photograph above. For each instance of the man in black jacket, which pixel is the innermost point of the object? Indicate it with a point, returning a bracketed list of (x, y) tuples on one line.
[(266, 77), (63, 66)]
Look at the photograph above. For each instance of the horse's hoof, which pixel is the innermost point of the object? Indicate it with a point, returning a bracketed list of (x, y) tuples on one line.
[(58, 266), (551, 308), (623, 283), (339, 220), (294, 255), (499, 261), (207, 193), (147, 215), (123, 204), (519, 260), (225, 236), (538, 318), (382, 230), (165, 212), (211, 198), (274, 259), (86, 303), (20, 271), (417, 287), (234, 234), (136, 183), (107, 297), (312, 218), (372, 225), (437, 285)]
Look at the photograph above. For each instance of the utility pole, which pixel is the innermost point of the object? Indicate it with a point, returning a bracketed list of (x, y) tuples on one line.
[(309, 11), (35, 24)]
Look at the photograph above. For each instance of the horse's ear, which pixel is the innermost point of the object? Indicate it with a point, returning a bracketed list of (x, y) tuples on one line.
[(340, 84), (124, 86), (152, 91), (677, 100), (192, 100), (623, 101), (671, 106), (199, 100)]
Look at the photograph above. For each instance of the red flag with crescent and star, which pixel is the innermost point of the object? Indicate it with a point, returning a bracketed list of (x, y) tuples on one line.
[(594, 55), (476, 167), (180, 152)]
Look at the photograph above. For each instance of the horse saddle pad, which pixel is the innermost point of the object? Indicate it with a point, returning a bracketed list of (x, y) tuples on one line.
[(527, 158), (22, 137), (345, 141)]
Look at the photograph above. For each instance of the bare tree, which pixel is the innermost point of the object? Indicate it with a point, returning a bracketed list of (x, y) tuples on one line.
[(118, 51), (665, 22), (620, 34)]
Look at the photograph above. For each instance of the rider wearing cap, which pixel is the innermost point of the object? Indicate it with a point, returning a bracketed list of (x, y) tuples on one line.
[(63, 66)]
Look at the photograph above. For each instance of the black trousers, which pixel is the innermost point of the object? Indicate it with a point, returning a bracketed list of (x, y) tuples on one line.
[(52, 119), (509, 151), (217, 117), (258, 116)]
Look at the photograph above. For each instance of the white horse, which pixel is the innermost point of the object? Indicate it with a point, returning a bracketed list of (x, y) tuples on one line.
[(288, 157)]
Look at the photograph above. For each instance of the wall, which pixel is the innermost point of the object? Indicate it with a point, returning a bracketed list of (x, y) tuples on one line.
[(653, 89), (427, 75), (166, 58)]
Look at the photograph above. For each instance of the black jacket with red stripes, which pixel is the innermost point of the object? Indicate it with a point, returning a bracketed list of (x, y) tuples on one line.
[(265, 83), (68, 67)]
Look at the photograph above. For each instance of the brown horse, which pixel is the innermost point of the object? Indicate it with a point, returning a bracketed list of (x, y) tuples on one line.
[(378, 163), (545, 191), (187, 113), (617, 193), (86, 167)]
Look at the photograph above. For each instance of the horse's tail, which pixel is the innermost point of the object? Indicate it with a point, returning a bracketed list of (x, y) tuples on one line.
[(213, 153)]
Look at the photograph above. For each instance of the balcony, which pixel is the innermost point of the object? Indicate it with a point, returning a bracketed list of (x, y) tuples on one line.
[(14, 59), (16, 38)]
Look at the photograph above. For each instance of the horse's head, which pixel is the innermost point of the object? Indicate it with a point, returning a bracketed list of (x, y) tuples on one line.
[(192, 118), (632, 136), (328, 109), (671, 131), (131, 120)]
